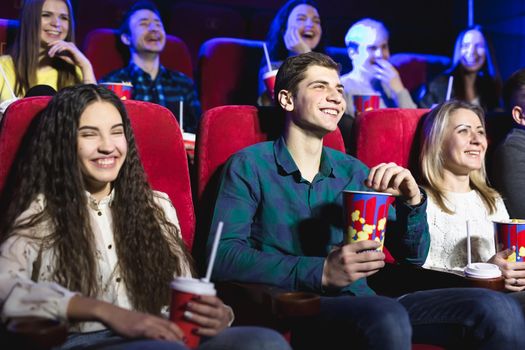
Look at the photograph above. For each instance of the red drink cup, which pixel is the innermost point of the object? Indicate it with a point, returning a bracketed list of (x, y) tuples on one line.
[(511, 234), (184, 290), (122, 90), (269, 81), (365, 216), (363, 103)]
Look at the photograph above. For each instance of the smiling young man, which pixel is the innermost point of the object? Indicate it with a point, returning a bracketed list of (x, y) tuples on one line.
[(281, 204), (143, 32), (372, 73)]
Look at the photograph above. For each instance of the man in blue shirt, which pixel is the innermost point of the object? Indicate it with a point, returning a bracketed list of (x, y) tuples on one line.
[(143, 32), (281, 204)]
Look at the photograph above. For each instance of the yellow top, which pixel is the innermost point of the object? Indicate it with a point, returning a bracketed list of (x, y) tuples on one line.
[(44, 76)]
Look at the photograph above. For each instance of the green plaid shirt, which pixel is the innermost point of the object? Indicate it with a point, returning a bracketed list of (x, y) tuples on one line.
[(278, 227)]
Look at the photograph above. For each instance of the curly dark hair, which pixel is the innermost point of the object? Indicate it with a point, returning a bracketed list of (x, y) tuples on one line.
[(275, 38), (150, 252)]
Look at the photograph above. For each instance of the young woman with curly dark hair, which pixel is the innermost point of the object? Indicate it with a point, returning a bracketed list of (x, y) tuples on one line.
[(85, 238)]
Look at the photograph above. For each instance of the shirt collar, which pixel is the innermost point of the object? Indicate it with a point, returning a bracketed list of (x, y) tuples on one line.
[(135, 71), (104, 202), (287, 165)]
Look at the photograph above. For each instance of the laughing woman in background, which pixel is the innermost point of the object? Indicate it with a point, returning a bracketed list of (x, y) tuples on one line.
[(44, 52)]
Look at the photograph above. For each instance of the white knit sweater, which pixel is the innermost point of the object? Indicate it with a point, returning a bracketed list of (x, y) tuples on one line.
[(448, 232)]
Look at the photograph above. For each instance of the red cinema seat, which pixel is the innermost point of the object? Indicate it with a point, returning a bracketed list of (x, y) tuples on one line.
[(196, 22), (387, 135), (417, 70), (229, 72)]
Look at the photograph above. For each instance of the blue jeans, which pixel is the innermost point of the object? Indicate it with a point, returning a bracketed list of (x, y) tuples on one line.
[(452, 318), (234, 338), (467, 318)]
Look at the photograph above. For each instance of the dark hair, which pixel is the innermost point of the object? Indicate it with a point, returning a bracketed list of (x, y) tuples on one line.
[(148, 246), (140, 5), (294, 68), (512, 88), (275, 39), (26, 49), (488, 81)]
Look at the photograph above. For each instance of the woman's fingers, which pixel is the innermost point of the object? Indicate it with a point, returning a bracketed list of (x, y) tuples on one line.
[(209, 313)]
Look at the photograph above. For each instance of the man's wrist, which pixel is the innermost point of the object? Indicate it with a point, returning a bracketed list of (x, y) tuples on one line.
[(417, 199)]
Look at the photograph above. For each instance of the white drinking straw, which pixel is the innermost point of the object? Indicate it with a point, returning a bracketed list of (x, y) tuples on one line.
[(7, 82), (268, 62), (469, 228), (214, 251), (449, 87), (181, 114)]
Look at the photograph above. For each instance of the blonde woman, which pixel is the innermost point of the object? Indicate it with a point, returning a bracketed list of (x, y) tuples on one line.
[(453, 173)]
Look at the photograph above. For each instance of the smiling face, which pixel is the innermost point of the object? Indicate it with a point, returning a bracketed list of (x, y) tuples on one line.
[(473, 50), (464, 144), (318, 104), (372, 45), (101, 147), (308, 23), (147, 33), (55, 21)]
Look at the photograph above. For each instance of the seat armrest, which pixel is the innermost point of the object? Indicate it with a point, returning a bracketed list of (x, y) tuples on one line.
[(265, 305), (395, 280), (34, 333)]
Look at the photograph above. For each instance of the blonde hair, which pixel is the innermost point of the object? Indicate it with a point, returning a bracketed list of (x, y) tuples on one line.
[(432, 160)]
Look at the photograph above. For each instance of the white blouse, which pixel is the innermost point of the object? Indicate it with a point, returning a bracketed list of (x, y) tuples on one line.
[(448, 232), (23, 297)]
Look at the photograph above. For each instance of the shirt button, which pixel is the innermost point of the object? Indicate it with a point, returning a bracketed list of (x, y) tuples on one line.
[(118, 279), (99, 213), (109, 246)]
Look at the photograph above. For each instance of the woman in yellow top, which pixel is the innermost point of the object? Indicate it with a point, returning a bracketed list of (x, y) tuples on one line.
[(44, 52)]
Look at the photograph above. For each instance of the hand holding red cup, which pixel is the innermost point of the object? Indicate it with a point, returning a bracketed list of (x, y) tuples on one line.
[(511, 235), (183, 291)]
